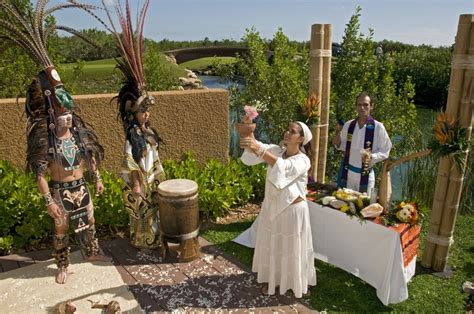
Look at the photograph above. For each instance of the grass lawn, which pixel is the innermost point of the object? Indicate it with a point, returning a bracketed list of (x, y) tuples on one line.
[(338, 290), (102, 76), (205, 63)]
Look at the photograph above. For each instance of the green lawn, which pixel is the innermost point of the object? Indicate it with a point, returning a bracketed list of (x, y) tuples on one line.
[(102, 76), (205, 63), (338, 290)]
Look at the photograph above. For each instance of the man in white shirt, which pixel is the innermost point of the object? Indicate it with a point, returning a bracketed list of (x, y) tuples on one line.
[(364, 142)]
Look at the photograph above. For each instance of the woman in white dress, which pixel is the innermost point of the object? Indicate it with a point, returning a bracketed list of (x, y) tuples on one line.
[(283, 254)]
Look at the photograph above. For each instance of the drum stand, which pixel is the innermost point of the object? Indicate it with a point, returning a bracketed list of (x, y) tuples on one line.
[(189, 248)]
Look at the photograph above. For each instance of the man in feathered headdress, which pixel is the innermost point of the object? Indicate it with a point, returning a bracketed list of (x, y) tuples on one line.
[(141, 168), (57, 138)]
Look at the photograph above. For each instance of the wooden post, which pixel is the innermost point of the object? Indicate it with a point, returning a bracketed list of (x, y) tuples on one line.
[(449, 180), (325, 98), (315, 85), (385, 190)]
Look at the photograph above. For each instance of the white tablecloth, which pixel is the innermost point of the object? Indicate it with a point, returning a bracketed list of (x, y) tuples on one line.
[(367, 250)]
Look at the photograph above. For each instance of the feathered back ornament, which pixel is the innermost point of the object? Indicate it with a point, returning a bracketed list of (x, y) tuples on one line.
[(133, 96), (29, 30)]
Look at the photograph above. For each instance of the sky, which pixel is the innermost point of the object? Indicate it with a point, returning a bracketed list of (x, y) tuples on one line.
[(430, 22)]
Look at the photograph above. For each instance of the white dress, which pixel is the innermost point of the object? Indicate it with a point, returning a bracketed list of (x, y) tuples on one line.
[(284, 247), (380, 151)]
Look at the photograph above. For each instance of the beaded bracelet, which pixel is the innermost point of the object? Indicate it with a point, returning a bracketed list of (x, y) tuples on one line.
[(48, 198), (96, 176)]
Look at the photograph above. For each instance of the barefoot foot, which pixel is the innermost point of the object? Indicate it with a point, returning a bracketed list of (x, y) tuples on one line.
[(61, 276)]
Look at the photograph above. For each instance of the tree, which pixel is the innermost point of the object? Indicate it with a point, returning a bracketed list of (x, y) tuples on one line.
[(429, 69), (359, 69), (279, 86)]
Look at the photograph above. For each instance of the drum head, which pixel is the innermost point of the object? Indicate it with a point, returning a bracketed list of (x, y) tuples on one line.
[(177, 187)]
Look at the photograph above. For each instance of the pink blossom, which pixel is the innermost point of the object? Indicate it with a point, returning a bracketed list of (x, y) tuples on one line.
[(250, 112)]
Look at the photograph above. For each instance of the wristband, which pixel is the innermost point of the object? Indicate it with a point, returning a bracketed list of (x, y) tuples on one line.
[(96, 176), (48, 198)]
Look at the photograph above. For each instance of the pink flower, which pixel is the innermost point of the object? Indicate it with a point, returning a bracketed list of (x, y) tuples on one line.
[(250, 112)]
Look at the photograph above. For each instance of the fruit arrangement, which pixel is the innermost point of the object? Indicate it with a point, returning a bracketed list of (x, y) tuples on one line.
[(352, 202)]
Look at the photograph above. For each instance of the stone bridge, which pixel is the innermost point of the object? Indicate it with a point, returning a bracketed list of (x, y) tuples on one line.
[(187, 54)]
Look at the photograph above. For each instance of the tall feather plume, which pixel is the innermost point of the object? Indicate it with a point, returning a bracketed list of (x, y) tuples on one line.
[(129, 41)]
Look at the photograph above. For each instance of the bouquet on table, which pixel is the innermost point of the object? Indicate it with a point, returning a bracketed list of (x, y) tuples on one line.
[(403, 212)]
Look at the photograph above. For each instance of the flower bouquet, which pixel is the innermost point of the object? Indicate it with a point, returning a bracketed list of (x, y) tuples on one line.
[(450, 139), (247, 126), (403, 212), (311, 110)]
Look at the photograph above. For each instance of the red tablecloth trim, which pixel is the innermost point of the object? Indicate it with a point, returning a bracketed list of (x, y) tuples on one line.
[(409, 239)]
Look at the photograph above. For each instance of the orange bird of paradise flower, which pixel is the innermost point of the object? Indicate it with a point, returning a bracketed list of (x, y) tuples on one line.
[(311, 107), (443, 128)]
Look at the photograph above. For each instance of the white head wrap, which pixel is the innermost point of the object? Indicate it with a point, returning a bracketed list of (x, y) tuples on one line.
[(306, 131)]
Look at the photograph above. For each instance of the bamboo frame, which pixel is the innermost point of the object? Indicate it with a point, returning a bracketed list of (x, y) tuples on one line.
[(325, 101), (315, 85), (456, 178), (450, 178)]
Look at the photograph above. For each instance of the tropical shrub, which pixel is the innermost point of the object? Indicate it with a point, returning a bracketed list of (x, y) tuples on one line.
[(279, 82), (429, 69), (158, 72), (24, 220), (220, 186)]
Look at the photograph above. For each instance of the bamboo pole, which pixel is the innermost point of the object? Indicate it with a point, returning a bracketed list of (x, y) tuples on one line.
[(325, 100), (385, 189), (315, 84), (441, 188), (456, 176), (446, 201)]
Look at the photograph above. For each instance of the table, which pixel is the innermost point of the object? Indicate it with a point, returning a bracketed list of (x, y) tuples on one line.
[(367, 250)]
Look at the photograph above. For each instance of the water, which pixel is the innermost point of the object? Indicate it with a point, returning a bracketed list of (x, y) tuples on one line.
[(212, 81), (425, 119)]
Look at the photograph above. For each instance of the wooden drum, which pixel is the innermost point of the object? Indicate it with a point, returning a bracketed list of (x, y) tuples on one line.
[(179, 216)]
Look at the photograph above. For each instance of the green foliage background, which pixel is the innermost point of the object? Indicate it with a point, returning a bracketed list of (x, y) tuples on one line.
[(280, 85), (24, 221)]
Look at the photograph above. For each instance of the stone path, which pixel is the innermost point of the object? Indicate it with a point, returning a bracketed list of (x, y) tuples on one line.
[(215, 282)]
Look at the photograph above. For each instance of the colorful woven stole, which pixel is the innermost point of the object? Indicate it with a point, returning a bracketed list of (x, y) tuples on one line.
[(368, 141)]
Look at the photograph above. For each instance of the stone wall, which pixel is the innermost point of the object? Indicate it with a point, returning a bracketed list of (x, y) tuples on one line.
[(194, 120)]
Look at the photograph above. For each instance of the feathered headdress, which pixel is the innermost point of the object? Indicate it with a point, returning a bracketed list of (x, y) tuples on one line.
[(30, 31), (133, 96), (46, 97)]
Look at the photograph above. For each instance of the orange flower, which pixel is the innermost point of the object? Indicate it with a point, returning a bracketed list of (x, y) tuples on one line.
[(311, 107), (443, 128)]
